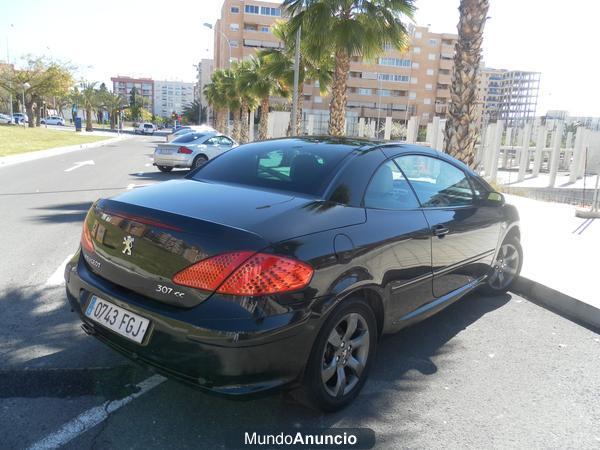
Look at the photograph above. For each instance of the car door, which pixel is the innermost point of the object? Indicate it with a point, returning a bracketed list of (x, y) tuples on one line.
[(224, 143), (464, 233), (212, 147), (402, 256)]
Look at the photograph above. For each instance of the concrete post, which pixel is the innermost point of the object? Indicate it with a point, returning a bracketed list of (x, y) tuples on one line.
[(577, 155), (388, 128), (540, 145), (524, 157), (487, 148), (587, 138), (310, 125), (555, 155), (251, 126), (566, 161), (435, 129), (361, 127), (507, 143), (495, 150), (412, 130), (441, 136), (428, 132)]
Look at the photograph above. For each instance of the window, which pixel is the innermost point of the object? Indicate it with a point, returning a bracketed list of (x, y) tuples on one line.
[(235, 9), (224, 140), (187, 138), (415, 65), (414, 80), (395, 62), (432, 42), (212, 141), (392, 77), (264, 29), (364, 91), (418, 35), (251, 9), (431, 57), (428, 87), (234, 43), (250, 27), (427, 101), (416, 50), (234, 26), (412, 95), (436, 182), (429, 71), (300, 169), (384, 92), (267, 11), (389, 189)]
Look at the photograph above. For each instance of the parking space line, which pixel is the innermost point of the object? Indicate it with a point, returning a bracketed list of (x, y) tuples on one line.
[(57, 277), (93, 416)]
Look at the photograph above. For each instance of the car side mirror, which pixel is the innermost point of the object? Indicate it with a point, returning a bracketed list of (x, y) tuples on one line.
[(494, 199)]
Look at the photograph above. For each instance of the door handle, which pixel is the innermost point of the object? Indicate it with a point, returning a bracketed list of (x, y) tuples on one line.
[(440, 231)]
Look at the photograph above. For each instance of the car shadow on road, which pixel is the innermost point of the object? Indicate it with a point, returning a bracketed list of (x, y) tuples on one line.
[(388, 401), (63, 213), (157, 175)]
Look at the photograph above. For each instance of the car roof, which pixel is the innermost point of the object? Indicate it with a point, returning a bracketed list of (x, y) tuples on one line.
[(350, 144)]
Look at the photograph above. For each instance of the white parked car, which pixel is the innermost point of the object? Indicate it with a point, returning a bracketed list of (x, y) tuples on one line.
[(191, 150), (188, 129), (144, 128), (20, 118), (5, 119), (53, 120)]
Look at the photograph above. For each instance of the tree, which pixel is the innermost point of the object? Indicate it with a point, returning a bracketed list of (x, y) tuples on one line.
[(230, 90), (280, 65), (113, 103), (89, 99), (348, 28), (135, 104), (38, 79), (217, 99), (195, 112), (461, 123), (244, 77)]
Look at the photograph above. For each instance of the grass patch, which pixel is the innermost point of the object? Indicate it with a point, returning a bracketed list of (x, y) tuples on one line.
[(18, 139)]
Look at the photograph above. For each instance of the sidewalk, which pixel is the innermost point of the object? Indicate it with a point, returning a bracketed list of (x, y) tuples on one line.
[(561, 253)]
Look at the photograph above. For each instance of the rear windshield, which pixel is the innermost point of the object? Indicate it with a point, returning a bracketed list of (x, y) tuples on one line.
[(188, 137), (147, 125), (299, 167)]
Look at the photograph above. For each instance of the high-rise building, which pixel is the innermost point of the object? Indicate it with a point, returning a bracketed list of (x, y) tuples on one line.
[(510, 95), (396, 84), (172, 96), (144, 86)]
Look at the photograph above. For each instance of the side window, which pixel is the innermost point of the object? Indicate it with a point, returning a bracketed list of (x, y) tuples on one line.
[(479, 187), (211, 141), (388, 189), (436, 182), (224, 141)]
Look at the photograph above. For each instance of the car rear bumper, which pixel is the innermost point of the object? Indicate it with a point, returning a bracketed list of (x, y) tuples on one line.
[(173, 160), (228, 356)]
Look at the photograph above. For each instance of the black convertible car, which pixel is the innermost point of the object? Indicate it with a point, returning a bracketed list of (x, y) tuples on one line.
[(281, 263)]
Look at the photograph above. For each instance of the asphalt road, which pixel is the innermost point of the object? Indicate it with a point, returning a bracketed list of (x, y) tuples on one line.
[(485, 373)]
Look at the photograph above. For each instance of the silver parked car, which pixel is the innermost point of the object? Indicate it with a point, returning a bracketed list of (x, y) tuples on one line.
[(5, 119), (188, 129), (53, 120), (191, 150)]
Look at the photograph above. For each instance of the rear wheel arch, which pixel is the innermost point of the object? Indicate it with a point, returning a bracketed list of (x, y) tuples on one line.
[(373, 299)]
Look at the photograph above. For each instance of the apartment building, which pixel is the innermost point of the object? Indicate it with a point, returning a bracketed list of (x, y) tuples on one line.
[(205, 70), (510, 95), (397, 84), (144, 86), (172, 96)]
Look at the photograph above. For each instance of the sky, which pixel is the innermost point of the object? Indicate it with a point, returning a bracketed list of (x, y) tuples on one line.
[(147, 38)]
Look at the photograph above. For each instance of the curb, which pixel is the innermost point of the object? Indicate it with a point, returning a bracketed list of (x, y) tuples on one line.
[(11, 160), (568, 307)]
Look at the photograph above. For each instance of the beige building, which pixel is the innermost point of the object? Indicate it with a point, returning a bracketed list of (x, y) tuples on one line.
[(396, 84)]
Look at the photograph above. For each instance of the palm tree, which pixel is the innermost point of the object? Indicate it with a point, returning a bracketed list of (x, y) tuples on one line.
[(461, 124), (229, 86), (113, 103), (215, 95), (348, 28), (243, 74), (280, 65), (89, 100)]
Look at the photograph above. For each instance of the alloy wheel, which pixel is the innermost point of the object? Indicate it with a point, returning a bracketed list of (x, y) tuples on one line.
[(345, 355), (505, 267)]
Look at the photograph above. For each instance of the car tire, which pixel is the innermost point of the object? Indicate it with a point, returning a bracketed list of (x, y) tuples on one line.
[(505, 269), (199, 161), (336, 370), (165, 169)]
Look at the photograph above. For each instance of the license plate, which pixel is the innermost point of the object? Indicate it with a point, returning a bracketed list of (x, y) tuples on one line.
[(117, 319), (165, 151)]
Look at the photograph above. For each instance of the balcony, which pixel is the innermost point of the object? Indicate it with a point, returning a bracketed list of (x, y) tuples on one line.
[(444, 79), (441, 108), (445, 93), (446, 64)]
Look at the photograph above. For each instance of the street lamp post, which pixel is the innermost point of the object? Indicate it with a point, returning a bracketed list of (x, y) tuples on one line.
[(210, 27), (24, 110)]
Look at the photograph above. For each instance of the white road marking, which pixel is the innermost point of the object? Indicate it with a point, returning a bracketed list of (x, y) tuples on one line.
[(93, 416), (80, 164), (57, 277)]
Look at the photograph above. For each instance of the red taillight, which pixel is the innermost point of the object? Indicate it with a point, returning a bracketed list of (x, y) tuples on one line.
[(184, 150), (86, 236), (247, 274)]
